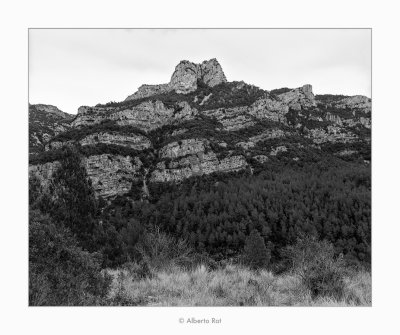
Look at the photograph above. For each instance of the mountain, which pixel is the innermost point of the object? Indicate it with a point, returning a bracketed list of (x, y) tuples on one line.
[(210, 160), (200, 125)]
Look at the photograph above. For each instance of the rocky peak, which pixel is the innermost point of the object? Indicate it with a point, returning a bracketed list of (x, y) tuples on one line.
[(187, 74), (299, 98), (184, 79), (212, 73)]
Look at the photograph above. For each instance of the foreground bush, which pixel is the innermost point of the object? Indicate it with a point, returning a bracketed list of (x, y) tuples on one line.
[(315, 262), (60, 272), (159, 250)]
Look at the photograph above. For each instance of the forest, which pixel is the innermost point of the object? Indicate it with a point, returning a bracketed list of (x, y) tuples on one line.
[(211, 220)]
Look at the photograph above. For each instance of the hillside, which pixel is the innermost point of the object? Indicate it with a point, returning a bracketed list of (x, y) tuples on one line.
[(207, 161), (45, 122)]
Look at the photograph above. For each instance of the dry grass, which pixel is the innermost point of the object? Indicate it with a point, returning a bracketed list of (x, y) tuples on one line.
[(231, 286)]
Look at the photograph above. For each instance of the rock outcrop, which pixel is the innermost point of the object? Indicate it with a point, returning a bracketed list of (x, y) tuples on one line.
[(192, 157), (299, 98), (54, 145), (136, 142), (333, 134), (231, 118), (112, 175), (185, 78), (182, 148), (356, 101), (196, 165), (269, 109), (266, 135), (147, 116)]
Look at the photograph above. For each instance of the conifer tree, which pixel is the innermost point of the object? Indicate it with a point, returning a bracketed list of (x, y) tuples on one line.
[(256, 255)]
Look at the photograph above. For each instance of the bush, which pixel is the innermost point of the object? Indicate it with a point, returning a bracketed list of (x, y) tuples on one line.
[(60, 272), (320, 271), (256, 255), (159, 250)]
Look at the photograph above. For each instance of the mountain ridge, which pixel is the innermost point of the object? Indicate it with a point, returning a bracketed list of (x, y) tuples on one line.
[(201, 125)]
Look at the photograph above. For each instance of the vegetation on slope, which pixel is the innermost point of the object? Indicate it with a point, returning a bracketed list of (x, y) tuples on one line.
[(225, 95)]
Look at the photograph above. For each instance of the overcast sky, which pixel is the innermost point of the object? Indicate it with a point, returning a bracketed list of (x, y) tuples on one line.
[(70, 68)]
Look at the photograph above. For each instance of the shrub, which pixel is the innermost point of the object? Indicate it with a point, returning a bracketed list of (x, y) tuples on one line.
[(60, 272), (160, 250), (256, 255), (315, 262)]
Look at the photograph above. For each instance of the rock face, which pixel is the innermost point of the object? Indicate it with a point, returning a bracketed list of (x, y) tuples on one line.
[(185, 78), (332, 134), (182, 148), (147, 116), (299, 98), (112, 174), (356, 101), (196, 165), (136, 142), (192, 157), (236, 118), (268, 109), (231, 118), (54, 145), (266, 135)]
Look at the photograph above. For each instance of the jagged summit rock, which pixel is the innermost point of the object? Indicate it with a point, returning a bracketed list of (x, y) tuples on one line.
[(185, 78)]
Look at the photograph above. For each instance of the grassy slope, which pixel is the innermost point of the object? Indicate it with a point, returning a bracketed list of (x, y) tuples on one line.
[(231, 286)]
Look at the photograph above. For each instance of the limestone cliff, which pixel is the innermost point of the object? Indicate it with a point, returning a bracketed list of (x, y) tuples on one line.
[(196, 165), (110, 174), (299, 98), (147, 116), (136, 142)]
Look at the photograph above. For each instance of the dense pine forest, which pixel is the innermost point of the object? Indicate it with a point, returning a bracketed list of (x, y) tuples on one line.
[(211, 216)]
